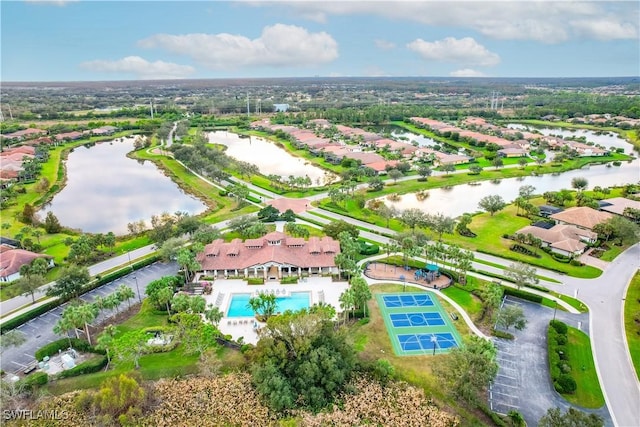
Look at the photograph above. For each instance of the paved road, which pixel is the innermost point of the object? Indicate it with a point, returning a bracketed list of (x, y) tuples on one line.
[(39, 331)]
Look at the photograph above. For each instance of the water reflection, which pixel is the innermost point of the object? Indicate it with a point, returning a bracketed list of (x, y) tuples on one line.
[(105, 190), (456, 200), (269, 158), (606, 139)]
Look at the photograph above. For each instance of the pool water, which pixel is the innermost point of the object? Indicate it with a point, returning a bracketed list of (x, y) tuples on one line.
[(239, 305)]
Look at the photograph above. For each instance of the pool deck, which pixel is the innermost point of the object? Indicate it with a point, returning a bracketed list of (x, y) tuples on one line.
[(321, 289)]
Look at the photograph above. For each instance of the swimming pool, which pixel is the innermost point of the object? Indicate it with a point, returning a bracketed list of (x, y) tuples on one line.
[(239, 305)]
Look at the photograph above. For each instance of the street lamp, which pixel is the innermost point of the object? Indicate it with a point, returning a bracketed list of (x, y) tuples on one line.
[(555, 309), (404, 284), (135, 276), (434, 340)]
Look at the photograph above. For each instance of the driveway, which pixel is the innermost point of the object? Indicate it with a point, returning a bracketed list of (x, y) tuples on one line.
[(523, 382)]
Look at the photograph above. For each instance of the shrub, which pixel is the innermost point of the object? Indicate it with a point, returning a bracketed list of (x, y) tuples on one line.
[(92, 365), (522, 294), (63, 344), (561, 339), (289, 280), (35, 379), (576, 262), (565, 384), (501, 334), (560, 327), (255, 281)]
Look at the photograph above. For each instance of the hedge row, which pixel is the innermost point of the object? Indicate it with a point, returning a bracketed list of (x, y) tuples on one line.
[(522, 294), (559, 366), (99, 281), (368, 248), (88, 367), (289, 280), (35, 379), (63, 344)]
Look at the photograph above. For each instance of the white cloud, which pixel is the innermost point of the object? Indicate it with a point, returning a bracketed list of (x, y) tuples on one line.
[(604, 29), (467, 72), (142, 68), (463, 51), (384, 44), (278, 46), (545, 21)]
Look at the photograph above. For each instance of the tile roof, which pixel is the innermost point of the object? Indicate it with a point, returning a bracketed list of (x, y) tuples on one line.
[(274, 247), (582, 216), (12, 259), (617, 205)]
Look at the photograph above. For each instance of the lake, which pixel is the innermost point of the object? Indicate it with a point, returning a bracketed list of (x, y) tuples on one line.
[(606, 139), (106, 190), (456, 200), (269, 158)]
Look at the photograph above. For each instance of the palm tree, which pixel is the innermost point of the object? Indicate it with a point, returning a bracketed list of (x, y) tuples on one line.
[(164, 297), (213, 314), (125, 293), (112, 301), (86, 314), (62, 327), (105, 340), (347, 302)]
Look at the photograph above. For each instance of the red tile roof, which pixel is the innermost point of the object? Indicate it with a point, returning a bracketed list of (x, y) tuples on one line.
[(12, 259), (273, 247)]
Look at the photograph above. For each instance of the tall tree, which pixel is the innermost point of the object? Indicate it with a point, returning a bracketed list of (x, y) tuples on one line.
[(468, 370), (512, 315), (361, 293), (521, 274), (413, 218), (301, 360), (579, 183), (492, 204), (70, 283)]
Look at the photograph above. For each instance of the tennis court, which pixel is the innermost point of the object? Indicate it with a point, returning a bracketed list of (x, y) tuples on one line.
[(433, 342), (411, 300), (400, 320), (417, 324)]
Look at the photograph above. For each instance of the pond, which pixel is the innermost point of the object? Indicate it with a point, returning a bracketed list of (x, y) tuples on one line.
[(269, 158), (106, 190), (606, 139), (459, 199), (401, 134)]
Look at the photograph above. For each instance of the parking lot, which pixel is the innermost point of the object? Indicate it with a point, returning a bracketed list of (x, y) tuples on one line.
[(523, 382), (39, 331)]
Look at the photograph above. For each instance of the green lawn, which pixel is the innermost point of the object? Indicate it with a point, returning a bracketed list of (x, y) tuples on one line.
[(632, 321), (461, 295), (583, 370)]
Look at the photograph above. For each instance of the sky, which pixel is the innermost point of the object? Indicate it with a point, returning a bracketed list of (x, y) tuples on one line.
[(87, 40)]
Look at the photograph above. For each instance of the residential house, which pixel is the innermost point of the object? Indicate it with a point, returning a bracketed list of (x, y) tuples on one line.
[(11, 259), (567, 240), (582, 217)]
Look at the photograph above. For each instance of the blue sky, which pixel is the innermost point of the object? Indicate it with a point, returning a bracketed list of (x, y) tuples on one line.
[(127, 40)]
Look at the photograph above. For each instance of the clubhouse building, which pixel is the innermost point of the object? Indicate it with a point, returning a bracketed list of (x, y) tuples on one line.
[(271, 257)]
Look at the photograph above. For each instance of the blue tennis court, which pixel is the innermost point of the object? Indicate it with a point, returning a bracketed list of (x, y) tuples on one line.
[(416, 300), (437, 341), (403, 320)]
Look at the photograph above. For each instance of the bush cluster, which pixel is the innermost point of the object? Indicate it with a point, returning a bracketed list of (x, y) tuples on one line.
[(63, 344), (522, 294), (35, 379), (289, 280), (523, 250), (368, 248), (92, 365), (559, 367)]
